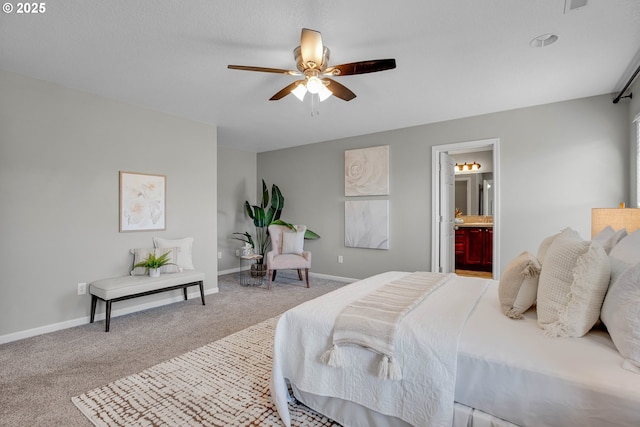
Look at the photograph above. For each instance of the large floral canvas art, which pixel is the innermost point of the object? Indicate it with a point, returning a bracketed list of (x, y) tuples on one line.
[(366, 171), (142, 201), (366, 224)]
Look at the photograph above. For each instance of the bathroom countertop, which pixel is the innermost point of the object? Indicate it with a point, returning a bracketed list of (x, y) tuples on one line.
[(475, 224)]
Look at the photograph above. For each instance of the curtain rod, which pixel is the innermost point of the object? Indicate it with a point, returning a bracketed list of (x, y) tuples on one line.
[(615, 101)]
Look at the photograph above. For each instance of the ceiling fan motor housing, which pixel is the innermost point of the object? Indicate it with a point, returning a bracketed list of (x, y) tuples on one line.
[(302, 66)]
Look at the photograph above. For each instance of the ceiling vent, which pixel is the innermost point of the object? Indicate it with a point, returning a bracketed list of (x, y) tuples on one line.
[(570, 5)]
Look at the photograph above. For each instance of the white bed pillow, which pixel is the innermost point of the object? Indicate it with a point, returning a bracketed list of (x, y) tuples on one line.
[(608, 237), (293, 242), (140, 254), (624, 254), (572, 286), (544, 247), (621, 315), (185, 248), (518, 286)]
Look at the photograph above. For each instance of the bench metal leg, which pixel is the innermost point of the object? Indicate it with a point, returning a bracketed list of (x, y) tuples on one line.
[(201, 285), (108, 318), (94, 302)]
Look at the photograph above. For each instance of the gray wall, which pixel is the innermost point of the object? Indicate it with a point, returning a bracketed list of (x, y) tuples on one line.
[(236, 183), (557, 162), (60, 153)]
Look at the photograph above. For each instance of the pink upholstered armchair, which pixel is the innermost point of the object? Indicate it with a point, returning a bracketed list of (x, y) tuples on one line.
[(287, 251)]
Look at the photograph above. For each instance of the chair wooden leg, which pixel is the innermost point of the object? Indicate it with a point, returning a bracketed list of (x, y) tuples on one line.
[(270, 277), (306, 273), (299, 274)]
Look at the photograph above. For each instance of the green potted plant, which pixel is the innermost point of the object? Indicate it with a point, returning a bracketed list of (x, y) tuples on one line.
[(262, 218), (153, 263)]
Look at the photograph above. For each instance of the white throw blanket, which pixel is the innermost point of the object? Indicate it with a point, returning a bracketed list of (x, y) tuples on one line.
[(426, 345), (371, 321)]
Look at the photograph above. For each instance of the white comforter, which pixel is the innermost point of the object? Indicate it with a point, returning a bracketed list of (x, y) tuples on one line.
[(426, 348)]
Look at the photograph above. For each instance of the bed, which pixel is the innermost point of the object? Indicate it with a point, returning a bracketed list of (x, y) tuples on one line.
[(465, 364)]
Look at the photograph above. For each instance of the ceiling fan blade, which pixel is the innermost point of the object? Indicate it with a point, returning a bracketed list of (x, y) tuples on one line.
[(361, 67), (311, 48), (339, 90), (263, 69), (286, 91)]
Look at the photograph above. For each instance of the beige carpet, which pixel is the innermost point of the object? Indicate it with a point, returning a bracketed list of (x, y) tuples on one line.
[(225, 383)]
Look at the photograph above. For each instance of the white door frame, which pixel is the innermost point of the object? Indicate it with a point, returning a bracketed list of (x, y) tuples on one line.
[(494, 144)]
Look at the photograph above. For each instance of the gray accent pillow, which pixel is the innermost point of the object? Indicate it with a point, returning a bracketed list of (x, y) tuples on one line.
[(621, 316), (608, 237)]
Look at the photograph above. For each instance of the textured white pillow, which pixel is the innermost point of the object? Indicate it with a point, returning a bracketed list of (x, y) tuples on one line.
[(624, 254), (628, 248), (140, 254), (518, 286), (544, 247), (608, 237), (621, 315), (293, 242), (185, 247), (573, 282)]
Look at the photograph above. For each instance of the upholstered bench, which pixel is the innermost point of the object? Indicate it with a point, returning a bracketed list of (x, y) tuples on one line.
[(126, 287)]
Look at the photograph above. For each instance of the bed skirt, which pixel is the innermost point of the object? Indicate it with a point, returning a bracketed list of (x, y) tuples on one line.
[(353, 415)]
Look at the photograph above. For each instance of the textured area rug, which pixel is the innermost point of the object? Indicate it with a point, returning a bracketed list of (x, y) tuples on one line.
[(225, 383)]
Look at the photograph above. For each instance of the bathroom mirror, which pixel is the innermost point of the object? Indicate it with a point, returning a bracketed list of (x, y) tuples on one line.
[(474, 193)]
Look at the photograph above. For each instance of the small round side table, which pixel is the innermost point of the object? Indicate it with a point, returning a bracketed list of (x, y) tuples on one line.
[(246, 279)]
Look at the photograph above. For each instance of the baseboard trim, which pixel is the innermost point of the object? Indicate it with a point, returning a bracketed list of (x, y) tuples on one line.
[(329, 277), (231, 270), (311, 274), (15, 336)]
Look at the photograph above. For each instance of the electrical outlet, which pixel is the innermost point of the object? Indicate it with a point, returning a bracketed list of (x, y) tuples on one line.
[(340, 259), (219, 255), (82, 288), (237, 252)]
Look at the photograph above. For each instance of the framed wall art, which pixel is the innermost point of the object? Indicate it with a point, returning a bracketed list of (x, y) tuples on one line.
[(366, 224), (142, 201), (366, 171)]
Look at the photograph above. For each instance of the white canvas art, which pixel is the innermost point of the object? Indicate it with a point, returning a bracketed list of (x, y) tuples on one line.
[(366, 224), (142, 202), (366, 171)]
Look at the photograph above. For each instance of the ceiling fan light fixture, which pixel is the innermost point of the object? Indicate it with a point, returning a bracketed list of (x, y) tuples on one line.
[(300, 91), (324, 93), (314, 84)]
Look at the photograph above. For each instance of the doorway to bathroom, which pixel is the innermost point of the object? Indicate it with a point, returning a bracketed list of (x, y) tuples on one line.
[(466, 224)]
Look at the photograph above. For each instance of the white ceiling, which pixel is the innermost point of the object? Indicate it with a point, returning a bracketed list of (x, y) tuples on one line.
[(455, 58)]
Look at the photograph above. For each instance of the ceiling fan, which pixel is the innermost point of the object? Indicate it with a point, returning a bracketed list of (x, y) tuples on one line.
[(312, 61)]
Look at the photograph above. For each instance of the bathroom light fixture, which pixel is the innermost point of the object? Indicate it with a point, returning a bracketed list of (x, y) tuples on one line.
[(467, 167)]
